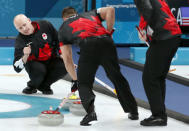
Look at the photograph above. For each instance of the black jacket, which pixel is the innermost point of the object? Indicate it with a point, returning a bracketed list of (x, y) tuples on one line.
[(75, 29), (158, 16), (44, 43)]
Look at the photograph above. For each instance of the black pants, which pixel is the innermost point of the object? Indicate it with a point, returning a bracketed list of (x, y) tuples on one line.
[(102, 51), (158, 60), (44, 73)]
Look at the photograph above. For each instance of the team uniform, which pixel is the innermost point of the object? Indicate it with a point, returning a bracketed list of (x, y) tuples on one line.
[(44, 65), (96, 48), (164, 42)]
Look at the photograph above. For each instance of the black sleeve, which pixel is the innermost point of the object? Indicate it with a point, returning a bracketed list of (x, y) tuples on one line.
[(145, 9), (98, 14), (18, 53), (167, 3), (62, 36)]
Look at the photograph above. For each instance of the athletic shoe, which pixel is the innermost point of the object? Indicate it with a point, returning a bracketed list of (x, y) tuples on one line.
[(154, 121), (29, 90), (133, 116), (88, 118)]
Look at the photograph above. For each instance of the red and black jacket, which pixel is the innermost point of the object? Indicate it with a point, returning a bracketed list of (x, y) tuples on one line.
[(157, 15), (81, 26), (44, 43)]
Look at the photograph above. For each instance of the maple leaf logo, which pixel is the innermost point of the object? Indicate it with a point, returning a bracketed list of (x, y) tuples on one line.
[(88, 27), (170, 21)]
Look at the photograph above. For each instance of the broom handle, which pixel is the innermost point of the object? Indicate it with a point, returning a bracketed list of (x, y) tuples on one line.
[(64, 101), (138, 29)]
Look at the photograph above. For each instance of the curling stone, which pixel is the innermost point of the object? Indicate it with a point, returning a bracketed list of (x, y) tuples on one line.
[(50, 118), (70, 100), (76, 108)]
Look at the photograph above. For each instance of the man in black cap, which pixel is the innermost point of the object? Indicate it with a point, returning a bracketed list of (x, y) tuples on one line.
[(160, 29), (96, 48)]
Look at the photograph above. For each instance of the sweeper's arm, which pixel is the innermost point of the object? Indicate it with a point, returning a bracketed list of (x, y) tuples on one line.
[(70, 67), (107, 14), (68, 61)]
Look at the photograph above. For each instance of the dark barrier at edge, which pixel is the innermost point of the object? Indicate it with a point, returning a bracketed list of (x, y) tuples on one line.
[(139, 66), (170, 76)]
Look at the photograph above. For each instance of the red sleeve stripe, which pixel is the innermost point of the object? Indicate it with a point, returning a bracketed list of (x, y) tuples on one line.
[(143, 23), (61, 44)]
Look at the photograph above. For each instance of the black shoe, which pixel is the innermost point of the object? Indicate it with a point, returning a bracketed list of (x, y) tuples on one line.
[(154, 121), (46, 91), (133, 116), (29, 90), (88, 118)]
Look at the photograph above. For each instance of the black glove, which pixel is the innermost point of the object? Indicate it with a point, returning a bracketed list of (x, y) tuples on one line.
[(74, 85)]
